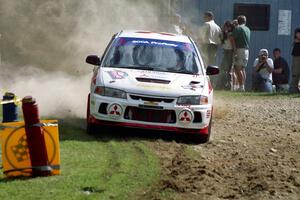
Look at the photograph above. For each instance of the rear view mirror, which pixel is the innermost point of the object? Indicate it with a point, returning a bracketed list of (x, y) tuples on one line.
[(93, 59), (212, 70)]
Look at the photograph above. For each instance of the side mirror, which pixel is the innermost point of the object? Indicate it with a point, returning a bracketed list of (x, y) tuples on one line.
[(93, 59), (212, 70)]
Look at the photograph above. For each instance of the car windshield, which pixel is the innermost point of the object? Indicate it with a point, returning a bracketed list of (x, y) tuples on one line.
[(151, 54)]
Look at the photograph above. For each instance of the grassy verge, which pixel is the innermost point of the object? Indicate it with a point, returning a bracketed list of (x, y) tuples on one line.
[(222, 93), (90, 169)]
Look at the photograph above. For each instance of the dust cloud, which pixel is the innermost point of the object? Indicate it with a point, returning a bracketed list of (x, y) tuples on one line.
[(43, 46)]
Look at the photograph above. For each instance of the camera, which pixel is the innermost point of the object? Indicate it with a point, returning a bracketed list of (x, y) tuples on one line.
[(263, 58)]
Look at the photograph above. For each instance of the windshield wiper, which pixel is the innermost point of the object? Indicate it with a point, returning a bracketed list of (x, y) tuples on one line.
[(139, 67), (182, 71), (132, 67), (114, 66)]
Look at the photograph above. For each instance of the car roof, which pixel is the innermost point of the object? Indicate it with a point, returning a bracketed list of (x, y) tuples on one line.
[(154, 35)]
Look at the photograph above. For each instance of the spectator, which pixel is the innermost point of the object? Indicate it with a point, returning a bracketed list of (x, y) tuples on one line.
[(262, 74), (234, 84), (281, 72), (178, 26), (241, 35), (294, 86), (227, 60), (235, 22), (210, 38)]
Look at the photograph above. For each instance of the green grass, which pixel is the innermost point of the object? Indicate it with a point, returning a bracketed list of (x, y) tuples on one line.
[(221, 94), (90, 169)]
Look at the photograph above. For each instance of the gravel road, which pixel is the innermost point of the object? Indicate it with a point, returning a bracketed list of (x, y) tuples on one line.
[(254, 153)]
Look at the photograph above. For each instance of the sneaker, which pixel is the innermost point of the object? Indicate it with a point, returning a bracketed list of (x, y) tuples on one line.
[(240, 90)]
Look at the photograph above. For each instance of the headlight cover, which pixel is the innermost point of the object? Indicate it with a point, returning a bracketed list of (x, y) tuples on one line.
[(192, 100), (110, 92)]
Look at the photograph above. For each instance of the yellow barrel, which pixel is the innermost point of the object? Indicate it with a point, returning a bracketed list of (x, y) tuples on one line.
[(15, 152)]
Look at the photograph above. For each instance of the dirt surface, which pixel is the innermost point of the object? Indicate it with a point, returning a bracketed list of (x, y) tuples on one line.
[(254, 154)]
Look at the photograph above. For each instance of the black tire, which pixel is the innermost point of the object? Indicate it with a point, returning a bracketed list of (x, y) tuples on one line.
[(203, 138), (99, 131), (91, 128)]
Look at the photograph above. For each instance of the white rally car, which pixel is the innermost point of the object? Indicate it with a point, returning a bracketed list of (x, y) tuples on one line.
[(152, 81)]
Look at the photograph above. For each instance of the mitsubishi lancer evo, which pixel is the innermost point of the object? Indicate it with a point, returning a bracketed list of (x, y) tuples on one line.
[(151, 80)]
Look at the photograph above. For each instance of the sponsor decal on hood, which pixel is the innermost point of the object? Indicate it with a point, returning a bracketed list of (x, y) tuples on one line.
[(117, 74)]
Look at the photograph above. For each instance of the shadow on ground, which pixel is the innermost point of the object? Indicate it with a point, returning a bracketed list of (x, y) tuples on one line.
[(75, 129)]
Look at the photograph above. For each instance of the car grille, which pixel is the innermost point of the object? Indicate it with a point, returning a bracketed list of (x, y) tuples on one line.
[(150, 115), (152, 99)]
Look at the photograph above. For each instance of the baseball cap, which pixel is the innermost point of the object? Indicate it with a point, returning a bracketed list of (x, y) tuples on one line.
[(263, 52)]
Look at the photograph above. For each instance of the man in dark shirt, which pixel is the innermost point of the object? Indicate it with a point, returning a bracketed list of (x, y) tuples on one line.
[(294, 86), (281, 72)]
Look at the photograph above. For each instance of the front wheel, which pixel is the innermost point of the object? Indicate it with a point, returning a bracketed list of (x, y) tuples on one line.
[(90, 128), (202, 138)]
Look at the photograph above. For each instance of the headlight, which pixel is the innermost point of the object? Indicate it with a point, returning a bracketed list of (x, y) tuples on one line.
[(110, 92), (192, 100)]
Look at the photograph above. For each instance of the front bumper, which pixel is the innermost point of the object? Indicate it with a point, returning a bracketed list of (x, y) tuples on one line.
[(149, 112)]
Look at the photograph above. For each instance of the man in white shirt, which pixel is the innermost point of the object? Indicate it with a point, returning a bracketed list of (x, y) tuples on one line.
[(262, 75), (209, 38)]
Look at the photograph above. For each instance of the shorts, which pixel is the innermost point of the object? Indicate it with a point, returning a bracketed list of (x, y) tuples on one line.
[(241, 58)]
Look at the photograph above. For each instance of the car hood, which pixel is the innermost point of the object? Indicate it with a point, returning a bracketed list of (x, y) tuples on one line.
[(152, 82)]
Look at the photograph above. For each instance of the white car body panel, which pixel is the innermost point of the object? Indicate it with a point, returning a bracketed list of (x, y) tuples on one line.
[(126, 79)]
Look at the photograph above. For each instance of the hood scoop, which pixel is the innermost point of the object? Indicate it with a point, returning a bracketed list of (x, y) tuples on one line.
[(194, 83), (152, 80)]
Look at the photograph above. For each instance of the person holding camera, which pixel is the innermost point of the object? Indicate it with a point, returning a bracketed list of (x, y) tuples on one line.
[(262, 75)]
